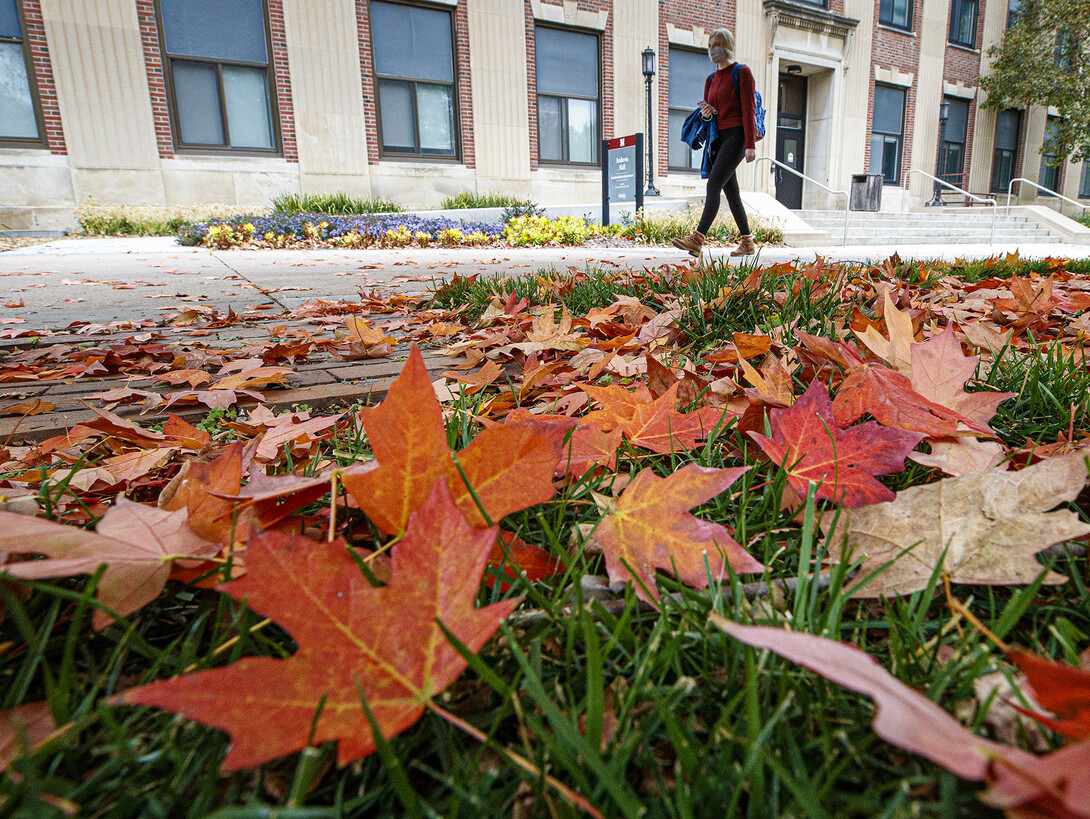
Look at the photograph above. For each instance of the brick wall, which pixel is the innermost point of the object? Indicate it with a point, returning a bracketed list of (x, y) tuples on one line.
[(282, 78), (153, 61), (605, 69), (894, 48), (463, 84), (683, 14), (43, 76)]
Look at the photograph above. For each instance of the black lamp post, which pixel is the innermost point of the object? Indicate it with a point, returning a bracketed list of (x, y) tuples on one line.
[(648, 75), (944, 112)]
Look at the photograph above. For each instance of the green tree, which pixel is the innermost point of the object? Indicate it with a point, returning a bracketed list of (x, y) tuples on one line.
[(1044, 59)]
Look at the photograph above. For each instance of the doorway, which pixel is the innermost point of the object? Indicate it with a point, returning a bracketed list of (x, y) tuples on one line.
[(791, 138)]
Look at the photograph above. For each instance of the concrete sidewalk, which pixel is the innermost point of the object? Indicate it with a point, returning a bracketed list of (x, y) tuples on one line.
[(101, 280)]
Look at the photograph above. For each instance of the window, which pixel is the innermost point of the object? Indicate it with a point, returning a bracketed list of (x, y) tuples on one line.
[(821, 4), (567, 96), (887, 132), (1050, 173), (1014, 12), (963, 22), (19, 116), (1084, 183), (896, 13), (952, 151), (414, 70), (1006, 148), (688, 71), (218, 75)]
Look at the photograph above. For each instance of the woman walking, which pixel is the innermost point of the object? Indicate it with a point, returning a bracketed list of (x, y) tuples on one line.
[(733, 109)]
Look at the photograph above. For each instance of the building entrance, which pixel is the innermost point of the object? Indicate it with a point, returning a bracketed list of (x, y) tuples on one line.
[(790, 138)]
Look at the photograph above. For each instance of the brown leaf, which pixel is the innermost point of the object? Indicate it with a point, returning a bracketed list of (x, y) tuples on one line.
[(990, 524)]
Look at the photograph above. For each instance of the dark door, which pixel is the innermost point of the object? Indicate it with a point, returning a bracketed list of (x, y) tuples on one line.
[(791, 139)]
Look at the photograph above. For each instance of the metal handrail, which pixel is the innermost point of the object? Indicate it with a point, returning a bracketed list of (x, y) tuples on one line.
[(847, 198), (1050, 192), (962, 191)]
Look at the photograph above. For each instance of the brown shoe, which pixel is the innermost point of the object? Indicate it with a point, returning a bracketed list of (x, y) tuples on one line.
[(692, 243), (745, 247)]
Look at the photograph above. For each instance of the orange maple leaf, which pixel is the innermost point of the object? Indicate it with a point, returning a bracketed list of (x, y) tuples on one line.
[(355, 642), (652, 529), (656, 424), (509, 466)]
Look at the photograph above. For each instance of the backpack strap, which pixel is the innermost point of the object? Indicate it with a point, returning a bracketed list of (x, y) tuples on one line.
[(707, 85), (734, 72)]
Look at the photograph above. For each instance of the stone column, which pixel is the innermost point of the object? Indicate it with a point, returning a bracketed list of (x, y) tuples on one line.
[(925, 133), (102, 92), (501, 116), (327, 96)]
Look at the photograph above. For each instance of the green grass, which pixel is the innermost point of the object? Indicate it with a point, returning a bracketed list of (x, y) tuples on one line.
[(469, 199), (336, 204), (645, 713)]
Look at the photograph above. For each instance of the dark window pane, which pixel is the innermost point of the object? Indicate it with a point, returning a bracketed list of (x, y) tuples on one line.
[(412, 42), (567, 63), (1002, 170), (16, 104), (894, 12), (582, 130), (435, 108), (953, 162), (9, 20), (889, 106), (246, 92), (1006, 130), (1084, 183), (957, 120), (963, 22), (688, 71), (550, 144), (196, 90), (890, 159), (231, 30), (678, 151), (396, 112)]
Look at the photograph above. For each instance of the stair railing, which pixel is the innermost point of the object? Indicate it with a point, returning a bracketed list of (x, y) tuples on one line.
[(777, 163), (982, 199), (1049, 191)]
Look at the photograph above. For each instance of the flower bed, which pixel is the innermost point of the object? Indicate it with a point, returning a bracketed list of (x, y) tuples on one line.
[(394, 230)]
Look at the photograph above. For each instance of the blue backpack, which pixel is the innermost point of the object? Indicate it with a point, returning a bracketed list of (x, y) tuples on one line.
[(758, 103)]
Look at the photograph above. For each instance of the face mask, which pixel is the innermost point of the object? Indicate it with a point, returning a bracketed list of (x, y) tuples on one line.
[(717, 55)]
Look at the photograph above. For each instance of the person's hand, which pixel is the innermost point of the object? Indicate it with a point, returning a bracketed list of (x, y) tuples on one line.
[(706, 111), (751, 154)]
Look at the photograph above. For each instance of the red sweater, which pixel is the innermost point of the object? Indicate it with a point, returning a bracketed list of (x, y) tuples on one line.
[(734, 107)]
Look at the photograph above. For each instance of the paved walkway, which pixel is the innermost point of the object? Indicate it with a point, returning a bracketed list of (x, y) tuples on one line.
[(99, 280)]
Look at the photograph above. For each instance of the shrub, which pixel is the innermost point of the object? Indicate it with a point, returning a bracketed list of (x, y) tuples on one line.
[(334, 204), (529, 231), (469, 199), (521, 209), (152, 220), (1083, 217)]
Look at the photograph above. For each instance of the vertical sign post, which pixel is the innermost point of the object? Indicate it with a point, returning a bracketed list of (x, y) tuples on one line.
[(622, 172)]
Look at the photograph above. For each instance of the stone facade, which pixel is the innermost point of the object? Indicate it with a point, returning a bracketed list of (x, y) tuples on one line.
[(106, 114)]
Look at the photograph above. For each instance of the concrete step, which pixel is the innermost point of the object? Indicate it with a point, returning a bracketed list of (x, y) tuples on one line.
[(940, 226)]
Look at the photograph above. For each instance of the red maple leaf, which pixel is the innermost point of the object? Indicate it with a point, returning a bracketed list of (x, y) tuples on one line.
[(383, 644), (807, 442)]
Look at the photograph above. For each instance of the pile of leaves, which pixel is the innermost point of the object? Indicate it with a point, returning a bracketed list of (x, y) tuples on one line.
[(893, 455)]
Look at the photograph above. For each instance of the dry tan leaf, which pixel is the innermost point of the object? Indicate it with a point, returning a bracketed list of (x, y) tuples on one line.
[(961, 456), (894, 350), (990, 523)]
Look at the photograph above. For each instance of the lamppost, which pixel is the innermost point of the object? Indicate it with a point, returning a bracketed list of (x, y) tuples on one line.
[(648, 75), (944, 112)]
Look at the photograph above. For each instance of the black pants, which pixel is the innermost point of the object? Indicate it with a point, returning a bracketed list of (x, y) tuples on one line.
[(728, 150)]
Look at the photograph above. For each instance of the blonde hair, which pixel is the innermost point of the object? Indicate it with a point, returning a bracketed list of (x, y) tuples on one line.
[(728, 39)]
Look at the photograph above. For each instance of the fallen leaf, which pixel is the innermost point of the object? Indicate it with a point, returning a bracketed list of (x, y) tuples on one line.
[(652, 528), (355, 642), (137, 543), (989, 523), (809, 445)]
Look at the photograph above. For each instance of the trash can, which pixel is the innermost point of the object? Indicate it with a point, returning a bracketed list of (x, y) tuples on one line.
[(866, 191)]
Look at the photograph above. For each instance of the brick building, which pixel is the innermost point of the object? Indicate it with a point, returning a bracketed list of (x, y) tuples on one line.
[(234, 101)]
